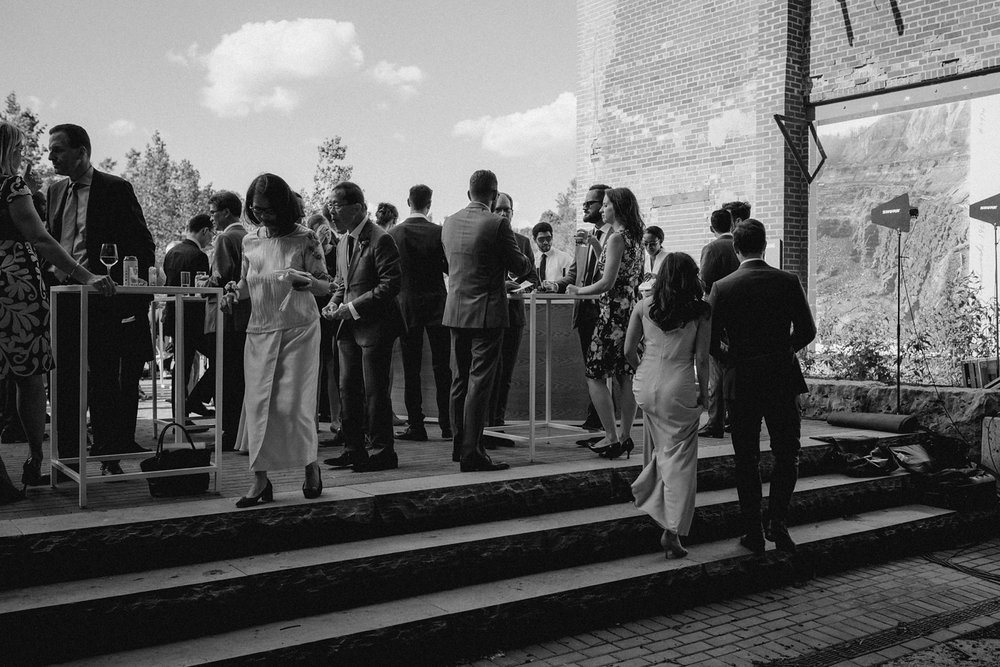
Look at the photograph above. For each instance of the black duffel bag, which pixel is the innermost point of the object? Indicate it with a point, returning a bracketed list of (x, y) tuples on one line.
[(177, 459)]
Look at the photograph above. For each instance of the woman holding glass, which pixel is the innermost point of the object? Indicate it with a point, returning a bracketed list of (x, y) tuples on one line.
[(283, 271), (673, 328), (620, 267), (25, 352)]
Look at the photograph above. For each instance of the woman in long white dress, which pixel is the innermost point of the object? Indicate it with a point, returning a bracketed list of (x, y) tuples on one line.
[(283, 271), (673, 327)]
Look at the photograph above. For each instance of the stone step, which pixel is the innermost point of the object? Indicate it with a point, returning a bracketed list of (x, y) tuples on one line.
[(435, 627), (233, 593), (86, 545)]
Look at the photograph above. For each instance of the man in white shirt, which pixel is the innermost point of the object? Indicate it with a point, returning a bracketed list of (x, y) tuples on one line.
[(550, 263)]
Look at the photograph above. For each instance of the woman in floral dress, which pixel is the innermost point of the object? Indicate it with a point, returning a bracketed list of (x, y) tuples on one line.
[(620, 268)]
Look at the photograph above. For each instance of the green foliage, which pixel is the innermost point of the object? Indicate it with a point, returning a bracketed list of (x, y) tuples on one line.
[(36, 146), (563, 219), (857, 350), (330, 170)]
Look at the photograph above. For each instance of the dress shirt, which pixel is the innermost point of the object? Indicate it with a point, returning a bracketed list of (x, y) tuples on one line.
[(75, 217), (557, 263)]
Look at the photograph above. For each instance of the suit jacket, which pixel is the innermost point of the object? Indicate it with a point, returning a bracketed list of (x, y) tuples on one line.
[(185, 256), (481, 250), (370, 281), (584, 311), (423, 265), (763, 313), (718, 260), (515, 307), (113, 216), (227, 265)]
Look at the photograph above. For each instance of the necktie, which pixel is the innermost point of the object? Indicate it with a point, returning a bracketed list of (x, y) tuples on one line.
[(541, 267), (350, 249), (69, 221), (599, 233)]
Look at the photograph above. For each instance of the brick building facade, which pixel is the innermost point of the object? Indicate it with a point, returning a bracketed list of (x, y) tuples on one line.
[(676, 99)]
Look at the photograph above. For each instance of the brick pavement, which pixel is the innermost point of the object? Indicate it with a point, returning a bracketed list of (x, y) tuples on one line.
[(908, 612)]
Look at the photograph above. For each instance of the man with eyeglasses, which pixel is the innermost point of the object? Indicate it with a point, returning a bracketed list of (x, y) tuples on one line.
[(225, 209), (552, 263), (585, 311)]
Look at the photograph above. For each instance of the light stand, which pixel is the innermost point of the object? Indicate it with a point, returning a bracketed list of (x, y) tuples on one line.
[(897, 214), (988, 210)]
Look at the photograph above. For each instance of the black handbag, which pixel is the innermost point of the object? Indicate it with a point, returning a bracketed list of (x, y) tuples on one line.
[(177, 459)]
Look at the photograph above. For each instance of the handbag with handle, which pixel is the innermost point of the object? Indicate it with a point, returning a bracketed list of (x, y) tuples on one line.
[(177, 459)]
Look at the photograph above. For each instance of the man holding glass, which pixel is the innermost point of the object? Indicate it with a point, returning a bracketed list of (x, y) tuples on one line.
[(85, 211)]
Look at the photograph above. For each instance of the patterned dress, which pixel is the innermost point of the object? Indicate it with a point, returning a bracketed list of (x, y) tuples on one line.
[(606, 355), (24, 303)]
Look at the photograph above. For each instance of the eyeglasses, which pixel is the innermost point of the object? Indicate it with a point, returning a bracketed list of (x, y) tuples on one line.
[(336, 205), (543, 239), (259, 211), (588, 204)]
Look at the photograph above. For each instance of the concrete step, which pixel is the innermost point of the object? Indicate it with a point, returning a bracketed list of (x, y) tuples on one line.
[(434, 627), (284, 585), (87, 545)]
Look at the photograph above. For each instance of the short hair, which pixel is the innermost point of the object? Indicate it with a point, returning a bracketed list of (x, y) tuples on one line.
[(386, 214), (227, 200), (722, 220), (749, 237), (351, 192), (627, 211), (539, 228), (199, 222), (509, 198), (483, 183), (655, 231), (281, 198), (739, 209), (420, 197), (599, 186), (76, 135), (11, 137)]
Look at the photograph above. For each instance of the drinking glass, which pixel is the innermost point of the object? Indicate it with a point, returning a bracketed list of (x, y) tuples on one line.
[(109, 255)]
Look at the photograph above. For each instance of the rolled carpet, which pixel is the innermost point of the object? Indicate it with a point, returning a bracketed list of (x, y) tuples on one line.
[(874, 421)]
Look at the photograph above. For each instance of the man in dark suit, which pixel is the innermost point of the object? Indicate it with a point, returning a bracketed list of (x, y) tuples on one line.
[(481, 250), (364, 301), (718, 260), (421, 300), (189, 256), (760, 319), (513, 332), (585, 311), (86, 210), (225, 209)]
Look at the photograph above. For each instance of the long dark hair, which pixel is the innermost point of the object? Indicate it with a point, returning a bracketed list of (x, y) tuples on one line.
[(627, 212), (677, 293), (286, 207)]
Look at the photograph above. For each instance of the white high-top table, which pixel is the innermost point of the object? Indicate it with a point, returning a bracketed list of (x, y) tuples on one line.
[(80, 476), (546, 430)]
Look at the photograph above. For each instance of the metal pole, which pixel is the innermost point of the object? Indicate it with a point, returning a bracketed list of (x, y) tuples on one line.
[(899, 329), (996, 296)]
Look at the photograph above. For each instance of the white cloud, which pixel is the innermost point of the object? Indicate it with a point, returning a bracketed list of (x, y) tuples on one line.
[(121, 127), (255, 68), (521, 133), (188, 57), (404, 78)]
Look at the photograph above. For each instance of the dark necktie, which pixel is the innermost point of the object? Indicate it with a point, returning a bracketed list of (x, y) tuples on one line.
[(541, 267), (350, 249), (599, 233)]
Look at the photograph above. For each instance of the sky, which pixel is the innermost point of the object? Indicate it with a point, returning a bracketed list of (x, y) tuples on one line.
[(420, 91)]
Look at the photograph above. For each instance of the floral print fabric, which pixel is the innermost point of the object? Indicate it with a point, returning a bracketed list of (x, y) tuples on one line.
[(606, 355)]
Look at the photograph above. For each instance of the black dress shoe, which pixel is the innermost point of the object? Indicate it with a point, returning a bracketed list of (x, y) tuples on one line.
[(111, 468), (708, 432), (345, 460), (130, 448), (446, 434), (482, 465), (376, 463), (777, 532), (754, 542), (591, 425), (199, 409), (416, 433)]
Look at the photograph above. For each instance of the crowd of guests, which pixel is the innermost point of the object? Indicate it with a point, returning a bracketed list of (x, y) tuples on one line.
[(314, 305)]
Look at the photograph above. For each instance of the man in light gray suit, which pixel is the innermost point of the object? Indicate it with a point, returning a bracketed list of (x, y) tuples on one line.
[(480, 248)]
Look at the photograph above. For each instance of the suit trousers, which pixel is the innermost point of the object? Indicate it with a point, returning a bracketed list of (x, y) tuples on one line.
[(117, 353), (475, 356), (233, 385), (781, 413), (204, 389), (510, 345), (716, 397), (412, 349), (364, 393)]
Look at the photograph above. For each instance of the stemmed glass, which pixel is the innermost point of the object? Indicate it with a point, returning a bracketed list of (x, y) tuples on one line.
[(109, 255)]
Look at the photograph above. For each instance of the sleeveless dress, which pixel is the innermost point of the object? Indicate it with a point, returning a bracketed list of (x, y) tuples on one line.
[(24, 301), (606, 354), (666, 390)]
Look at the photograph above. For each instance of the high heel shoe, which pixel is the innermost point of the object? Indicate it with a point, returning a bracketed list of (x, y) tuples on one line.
[(603, 449), (671, 544), (265, 496), (311, 492), (617, 449), (32, 472)]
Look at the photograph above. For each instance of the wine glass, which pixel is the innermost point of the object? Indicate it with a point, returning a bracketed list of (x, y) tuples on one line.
[(109, 255)]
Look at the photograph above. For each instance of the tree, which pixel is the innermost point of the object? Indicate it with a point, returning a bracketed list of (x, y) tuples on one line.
[(169, 192), (34, 129), (563, 219), (330, 170)]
